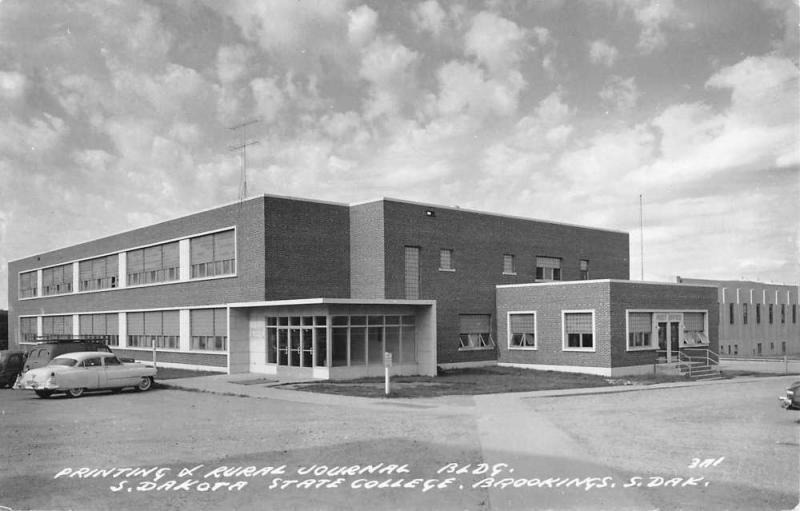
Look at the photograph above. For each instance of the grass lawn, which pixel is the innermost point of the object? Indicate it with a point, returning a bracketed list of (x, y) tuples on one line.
[(483, 380)]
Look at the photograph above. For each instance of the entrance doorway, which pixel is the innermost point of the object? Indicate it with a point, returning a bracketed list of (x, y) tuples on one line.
[(669, 329)]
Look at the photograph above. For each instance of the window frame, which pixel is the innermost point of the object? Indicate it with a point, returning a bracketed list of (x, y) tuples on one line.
[(547, 273), (535, 331), (564, 346), (513, 264), (449, 253), (653, 337), (194, 273)]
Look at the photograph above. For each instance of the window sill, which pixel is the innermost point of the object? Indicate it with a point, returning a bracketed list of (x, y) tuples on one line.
[(509, 273), (641, 348), (447, 269), (584, 350), (523, 348), (476, 348)]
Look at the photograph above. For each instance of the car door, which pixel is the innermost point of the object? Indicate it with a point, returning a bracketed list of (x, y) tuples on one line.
[(118, 374), (92, 373)]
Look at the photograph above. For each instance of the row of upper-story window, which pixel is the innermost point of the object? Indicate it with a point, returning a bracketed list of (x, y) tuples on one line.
[(745, 313), (547, 268), (207, 328), (210, 255)]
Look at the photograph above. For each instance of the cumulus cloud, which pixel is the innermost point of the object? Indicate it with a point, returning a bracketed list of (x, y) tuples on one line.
[(464, 87), (232, 63), (389, 67), (269, 98), (620, 93), (12, 85), (362, 23), (603, 53), (496, 42), (429, 16)]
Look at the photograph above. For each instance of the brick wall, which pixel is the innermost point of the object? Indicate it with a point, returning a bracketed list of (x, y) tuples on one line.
[(367, 271), (171, 357), (479, 242), (307, 249), (248, 285)]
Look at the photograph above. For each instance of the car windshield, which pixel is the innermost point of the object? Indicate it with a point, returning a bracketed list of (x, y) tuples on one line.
[(63, 362)]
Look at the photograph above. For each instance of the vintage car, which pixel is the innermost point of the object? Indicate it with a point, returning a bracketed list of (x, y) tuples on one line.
[(791, 401), (10, 366), (75, 373)]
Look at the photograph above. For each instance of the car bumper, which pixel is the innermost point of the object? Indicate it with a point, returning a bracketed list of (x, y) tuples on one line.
[(787, 403)]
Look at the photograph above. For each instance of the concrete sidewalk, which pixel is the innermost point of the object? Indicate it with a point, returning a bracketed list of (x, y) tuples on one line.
[(267, 387)]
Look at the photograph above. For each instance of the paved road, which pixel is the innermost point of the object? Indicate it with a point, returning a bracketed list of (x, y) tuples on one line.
[(569, 452)]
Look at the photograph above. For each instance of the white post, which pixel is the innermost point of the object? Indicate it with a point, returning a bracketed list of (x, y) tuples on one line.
[(154, 354), (387, 363)]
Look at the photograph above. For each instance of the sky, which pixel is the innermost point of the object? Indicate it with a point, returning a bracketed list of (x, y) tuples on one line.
[(118, 114)]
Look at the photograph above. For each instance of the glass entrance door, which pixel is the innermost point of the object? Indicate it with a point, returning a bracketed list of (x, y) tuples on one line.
[(668, 338)]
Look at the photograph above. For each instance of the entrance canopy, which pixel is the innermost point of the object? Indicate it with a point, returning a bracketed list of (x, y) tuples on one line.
[(332, 338)]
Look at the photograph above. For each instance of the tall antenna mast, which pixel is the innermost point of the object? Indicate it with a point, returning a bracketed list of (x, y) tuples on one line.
[(641, 234), (243, 148)]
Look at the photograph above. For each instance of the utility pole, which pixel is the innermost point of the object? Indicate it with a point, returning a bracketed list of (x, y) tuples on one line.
[(242, 146), (641, 235)]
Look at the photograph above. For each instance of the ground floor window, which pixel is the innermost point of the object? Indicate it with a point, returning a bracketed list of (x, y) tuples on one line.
[(209, 329), (578, 330), (57, 325), (27, 329), (475, 332), (154, 328), (297, 341), (521, 330), (362, 340), (694, 330), (640, 330), (102, 325)]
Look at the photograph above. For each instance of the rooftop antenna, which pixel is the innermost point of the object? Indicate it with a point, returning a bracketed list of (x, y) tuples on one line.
[(243, 148), (641, 234)]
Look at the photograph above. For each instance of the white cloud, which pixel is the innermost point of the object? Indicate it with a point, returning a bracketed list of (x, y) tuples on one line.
[(33, 139), (12, 85), (620, 93), (429, 16), (601, 52), (269, 98), (232, 62), (496, 42), (389, 67), (362, 25), (653, 17), (464, 87)]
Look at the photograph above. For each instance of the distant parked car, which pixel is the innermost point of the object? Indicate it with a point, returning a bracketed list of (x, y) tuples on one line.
[(42, 352), (75, 373), (10, 366), (791, 401)]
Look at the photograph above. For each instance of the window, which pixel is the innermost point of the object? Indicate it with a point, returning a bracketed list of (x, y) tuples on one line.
[(153, 264), (770, 313), (744, 313), (213, 255), (729, 349), (28, 284), (297, 340), (783, 347), (548, 268), (730, 312), (640, 330), (446, 260), (584, 269), (578, 330), (412, 273), (735, 349), (758, 313), (106, 325), (57, 325), (475, 332), (154, 328), (783, 313), (367, 338), (57, 280), (758, 349), (209, 329), (100, 273), (508, 265), (522, 330), (694, 332), (771, 347), (794, 313), (27, 329)]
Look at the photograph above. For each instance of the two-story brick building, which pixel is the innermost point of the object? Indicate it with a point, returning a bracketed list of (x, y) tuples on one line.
[(308, 288)]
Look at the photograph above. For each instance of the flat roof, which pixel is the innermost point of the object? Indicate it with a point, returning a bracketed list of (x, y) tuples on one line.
[(338, 301), (596, 281), (489, 213)]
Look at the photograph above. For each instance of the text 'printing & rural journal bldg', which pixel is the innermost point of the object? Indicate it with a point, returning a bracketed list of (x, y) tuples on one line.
[(311, 289)]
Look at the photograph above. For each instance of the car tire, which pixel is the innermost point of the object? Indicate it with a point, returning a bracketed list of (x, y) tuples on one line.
[(44, 394), (145, 383), (76, 392)]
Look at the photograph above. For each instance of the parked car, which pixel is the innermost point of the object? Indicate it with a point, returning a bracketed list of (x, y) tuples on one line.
[(10, 366), (42, 352), (791, 401), (74, 373)]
